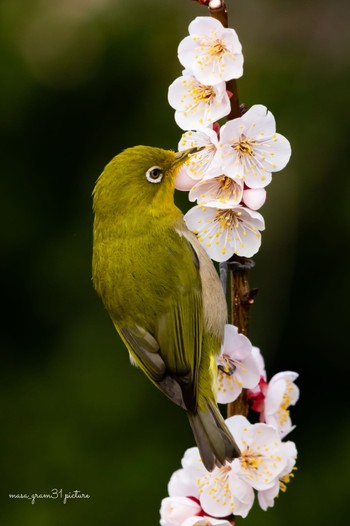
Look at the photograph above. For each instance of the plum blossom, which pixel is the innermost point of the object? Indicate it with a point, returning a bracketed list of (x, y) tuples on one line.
[(267, 497), (226, 231), (272, 399), (281, 392), (200, 164), (197, 105), (250, 148), (263, 456), (175, 510), (217, 191), (206, 521), (212, 52), (237, 367), (221, 492), (266, 464)]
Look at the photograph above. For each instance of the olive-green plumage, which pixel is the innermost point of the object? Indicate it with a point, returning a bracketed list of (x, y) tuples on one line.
[(161, 289)]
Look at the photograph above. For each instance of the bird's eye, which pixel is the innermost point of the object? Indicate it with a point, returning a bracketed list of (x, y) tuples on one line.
[(154, 174)]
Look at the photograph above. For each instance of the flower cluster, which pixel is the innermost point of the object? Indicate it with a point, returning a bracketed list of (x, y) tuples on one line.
[(241, 366), (266, 463), (227, 178)]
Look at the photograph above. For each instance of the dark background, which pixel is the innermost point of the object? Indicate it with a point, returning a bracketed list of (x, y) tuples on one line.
[(80, 81)]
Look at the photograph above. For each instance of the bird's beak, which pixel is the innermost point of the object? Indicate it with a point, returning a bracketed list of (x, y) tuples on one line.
[(181, 157)]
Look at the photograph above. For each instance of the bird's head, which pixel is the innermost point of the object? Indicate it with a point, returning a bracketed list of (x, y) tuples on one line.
[(142, 177)]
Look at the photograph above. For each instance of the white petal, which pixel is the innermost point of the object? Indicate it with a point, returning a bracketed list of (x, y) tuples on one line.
[(259, 360), (259, 122), (183, 484), (247, 372), (242, 495), (266, 498), (285, 375), (291, 453), (215, 496), (176, 93), (205, 24), (236, 345), (281, 422), (239, 426), (231, 131), (274, 396), (245, 240), (228, 388), (192, 463)]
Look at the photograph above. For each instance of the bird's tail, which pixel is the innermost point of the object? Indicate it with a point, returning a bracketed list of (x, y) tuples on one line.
[(215, 443)]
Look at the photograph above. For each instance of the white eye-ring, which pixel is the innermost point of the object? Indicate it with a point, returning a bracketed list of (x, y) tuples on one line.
[(154, 174)]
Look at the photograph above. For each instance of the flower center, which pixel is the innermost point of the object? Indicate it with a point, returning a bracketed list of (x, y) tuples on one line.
[(228, 219), (244, 146), (217, 48), (203, 93), (250, 461), (227, 365)]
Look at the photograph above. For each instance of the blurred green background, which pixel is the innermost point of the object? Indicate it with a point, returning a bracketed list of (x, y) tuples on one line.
[(80, 81)]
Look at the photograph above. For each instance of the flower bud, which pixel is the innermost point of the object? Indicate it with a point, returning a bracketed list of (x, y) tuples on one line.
[(175, 510), (254, 198)]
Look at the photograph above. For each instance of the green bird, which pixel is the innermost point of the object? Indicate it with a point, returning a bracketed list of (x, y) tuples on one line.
[(161, 289)]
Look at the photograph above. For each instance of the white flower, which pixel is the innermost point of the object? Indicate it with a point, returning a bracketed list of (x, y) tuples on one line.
[(206, 521), (267, 497), (217, 191), (197, 105), (263, 455), (237, 366), (175, 510), (221, 492), (254, 198), (251, 149), (213, 52), (200, 164), (224, 232), (281, 393)]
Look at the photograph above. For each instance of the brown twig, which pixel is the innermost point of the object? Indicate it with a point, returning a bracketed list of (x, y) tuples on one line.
[(241, 294)]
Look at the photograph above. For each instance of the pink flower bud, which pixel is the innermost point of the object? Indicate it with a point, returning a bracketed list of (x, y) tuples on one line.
[(175, 510), (254, 198), (183, 181)]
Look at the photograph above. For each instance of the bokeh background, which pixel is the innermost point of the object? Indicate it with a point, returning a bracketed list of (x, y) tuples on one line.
[(80, 81)]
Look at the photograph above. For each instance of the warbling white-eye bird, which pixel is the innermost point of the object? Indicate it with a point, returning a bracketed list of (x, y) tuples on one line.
[(161, 289)]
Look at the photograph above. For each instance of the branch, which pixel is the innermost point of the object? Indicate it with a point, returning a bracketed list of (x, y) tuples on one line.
[(241, 294)]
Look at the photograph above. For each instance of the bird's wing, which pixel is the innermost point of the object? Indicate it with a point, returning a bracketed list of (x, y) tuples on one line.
[(171, 355)]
